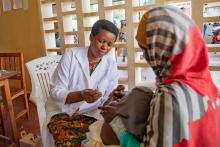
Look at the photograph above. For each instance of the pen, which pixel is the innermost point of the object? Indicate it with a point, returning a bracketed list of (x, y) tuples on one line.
[(76, 111)]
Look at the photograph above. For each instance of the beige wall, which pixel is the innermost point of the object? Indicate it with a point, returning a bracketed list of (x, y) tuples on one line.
[(20, 31)]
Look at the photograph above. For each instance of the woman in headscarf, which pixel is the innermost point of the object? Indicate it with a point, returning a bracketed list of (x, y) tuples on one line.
[(185, 108)]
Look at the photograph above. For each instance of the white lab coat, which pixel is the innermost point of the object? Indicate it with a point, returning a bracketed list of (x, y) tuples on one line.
[(72, 74)]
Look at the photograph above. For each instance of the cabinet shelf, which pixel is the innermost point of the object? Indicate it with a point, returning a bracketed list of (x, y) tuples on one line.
[(54, 18), (71, 45), (122, 67), (142, 65), (211, 19), (67, 1), (214, 49), (143, 8), (47, 1), (70, 33), (53, 49), (114, 7), (90, 14), (120, 45), (87, 28), (214, 68), (69, 13), (51, 31), (214, 65)]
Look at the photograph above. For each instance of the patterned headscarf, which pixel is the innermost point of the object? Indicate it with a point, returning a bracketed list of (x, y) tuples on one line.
[(174, 47)]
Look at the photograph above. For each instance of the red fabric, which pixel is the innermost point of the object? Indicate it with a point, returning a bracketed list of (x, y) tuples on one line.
[(191, 66), (210, 125)]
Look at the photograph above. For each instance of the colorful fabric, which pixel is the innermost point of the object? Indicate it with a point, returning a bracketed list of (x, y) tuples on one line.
[(69, 131), (180, 117), (185, 111), (173, 45)]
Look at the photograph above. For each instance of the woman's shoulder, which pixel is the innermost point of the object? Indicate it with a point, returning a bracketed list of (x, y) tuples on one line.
[(71, 54), (75, 50)]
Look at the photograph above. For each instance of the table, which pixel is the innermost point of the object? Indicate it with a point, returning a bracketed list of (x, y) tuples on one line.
[(6, 97)]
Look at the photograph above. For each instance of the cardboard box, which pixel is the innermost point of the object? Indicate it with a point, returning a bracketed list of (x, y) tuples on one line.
[(30, 140)]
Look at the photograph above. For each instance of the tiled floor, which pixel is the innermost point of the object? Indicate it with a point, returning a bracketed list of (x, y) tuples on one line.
[(30, 126)]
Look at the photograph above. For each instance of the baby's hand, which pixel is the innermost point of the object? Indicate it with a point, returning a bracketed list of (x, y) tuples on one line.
[(108, 112), (116, 94)]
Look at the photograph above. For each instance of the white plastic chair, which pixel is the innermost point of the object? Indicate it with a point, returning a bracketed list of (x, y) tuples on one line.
[(40, 71)]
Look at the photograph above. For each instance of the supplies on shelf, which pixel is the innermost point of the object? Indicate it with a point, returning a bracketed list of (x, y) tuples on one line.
[(211, 9), (211, 33)]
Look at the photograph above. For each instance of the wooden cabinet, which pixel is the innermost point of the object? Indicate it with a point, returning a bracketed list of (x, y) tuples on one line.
[(67, 23)]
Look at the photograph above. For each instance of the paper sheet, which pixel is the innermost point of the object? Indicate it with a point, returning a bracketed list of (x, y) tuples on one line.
[(6, 5), (86, 107)]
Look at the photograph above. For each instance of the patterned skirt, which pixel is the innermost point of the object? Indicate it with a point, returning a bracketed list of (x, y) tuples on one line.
[(69, 131)]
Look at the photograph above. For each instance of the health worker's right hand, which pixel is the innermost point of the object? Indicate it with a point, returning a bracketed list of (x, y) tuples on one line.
[(90, 95)]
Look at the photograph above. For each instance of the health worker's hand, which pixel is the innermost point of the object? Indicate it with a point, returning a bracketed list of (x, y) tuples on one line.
[(90, 95)]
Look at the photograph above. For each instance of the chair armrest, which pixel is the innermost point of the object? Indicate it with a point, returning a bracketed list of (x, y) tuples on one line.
[(36, 100), (41, 111)]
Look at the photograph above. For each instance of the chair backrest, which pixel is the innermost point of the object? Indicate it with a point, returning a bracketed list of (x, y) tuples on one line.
[(40, 70), (14, 61)]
